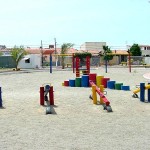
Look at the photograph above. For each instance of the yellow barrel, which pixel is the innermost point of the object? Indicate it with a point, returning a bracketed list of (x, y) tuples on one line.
[(99, 80)]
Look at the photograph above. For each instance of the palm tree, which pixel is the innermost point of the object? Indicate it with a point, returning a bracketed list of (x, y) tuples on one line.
[(64, 49), (1, 53), (107, 55), (17, 54)]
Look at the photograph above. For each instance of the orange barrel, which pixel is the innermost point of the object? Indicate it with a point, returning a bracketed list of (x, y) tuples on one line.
[(104, 82), (92, 77), (66, 83)]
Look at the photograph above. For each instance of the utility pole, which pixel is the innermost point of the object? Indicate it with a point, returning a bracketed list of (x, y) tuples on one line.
[(41, 54), (55, 52)]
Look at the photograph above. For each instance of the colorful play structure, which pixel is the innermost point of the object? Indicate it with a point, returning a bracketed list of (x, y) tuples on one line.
[(82, 70), (103, 100), (1, 104), (44, 91), (83, 81), (142, 88), (75, 64), (100, 82)]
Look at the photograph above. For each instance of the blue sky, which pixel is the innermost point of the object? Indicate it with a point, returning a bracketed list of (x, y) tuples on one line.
[(116, 22)]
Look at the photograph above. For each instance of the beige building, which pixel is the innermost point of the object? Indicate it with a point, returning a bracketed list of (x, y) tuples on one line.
[(88, 46)]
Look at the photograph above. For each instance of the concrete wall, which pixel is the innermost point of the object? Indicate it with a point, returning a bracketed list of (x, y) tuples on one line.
[(92, 46)]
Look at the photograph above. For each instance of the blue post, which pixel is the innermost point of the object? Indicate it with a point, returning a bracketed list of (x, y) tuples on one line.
[(50, 63), (142, 92), (1, 105), (148, 92)]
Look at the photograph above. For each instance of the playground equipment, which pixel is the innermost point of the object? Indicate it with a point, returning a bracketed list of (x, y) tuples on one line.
[(1, 105), (44, 91), (103, 100), (61, 55), (85, 70), (142, 89)]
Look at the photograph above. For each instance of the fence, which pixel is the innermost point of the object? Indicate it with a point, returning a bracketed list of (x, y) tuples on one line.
[(7, 62)]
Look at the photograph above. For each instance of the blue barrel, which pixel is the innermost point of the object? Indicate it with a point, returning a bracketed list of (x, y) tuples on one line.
[(125, 87), (111, 84), (85, 81), (72, 82)]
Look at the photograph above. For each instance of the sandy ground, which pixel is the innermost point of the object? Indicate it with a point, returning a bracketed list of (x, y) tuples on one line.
[(76, 124)]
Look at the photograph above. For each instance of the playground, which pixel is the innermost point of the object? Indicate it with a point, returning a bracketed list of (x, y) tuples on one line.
[(75, 123)]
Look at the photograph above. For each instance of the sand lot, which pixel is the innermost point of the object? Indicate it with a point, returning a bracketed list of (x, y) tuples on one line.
[(77, 124)]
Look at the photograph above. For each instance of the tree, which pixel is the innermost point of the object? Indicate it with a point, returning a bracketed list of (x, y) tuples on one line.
[(1, 53), (135, 50), (107, 53), (64, 49), (17, 54)]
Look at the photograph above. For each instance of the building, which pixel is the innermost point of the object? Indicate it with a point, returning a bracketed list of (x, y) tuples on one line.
[(144, 48), (87, 46)]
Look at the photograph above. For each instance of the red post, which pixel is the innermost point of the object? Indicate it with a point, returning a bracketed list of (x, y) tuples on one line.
[(77, 67), (73, 62), (41, 95), (88, 64), (51, 95)]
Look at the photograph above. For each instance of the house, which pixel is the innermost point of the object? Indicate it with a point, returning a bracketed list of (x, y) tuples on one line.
[(35, 58), (30, 61)]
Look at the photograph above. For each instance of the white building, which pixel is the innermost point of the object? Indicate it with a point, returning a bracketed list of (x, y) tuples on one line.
[(31, 61), (92, 46), (145, 50)]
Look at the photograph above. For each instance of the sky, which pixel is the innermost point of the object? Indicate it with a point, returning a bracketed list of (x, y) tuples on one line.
[(116, 22)]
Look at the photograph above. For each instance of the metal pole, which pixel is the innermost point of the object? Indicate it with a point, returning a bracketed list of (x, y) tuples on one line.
[(55, 52), (1, 105), (50, 63), (41, 54)]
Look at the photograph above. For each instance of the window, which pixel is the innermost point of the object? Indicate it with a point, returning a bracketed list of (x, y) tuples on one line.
[(148, 48), (27, 60)]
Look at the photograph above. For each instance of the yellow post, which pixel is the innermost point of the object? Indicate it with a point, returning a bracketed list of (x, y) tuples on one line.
[(136, 91), (99, 80), (62, 84), (102, 90), (94, 95), (147, 87)]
